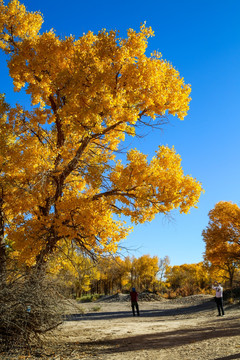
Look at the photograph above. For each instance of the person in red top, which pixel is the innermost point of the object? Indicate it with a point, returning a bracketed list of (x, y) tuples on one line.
[(134, 301)]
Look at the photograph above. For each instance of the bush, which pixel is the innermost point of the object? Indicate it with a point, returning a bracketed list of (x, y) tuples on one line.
[(30, 306), (170, 294), (89, 298)]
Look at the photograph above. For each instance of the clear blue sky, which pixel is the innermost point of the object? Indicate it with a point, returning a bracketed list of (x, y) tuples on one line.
[(202, 40)]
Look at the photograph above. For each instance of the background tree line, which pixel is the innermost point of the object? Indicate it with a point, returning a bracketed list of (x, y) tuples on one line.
[(82, 276), (221, 261)]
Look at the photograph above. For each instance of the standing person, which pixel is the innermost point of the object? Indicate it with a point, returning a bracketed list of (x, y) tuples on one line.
[(134, 301), (219, 297)]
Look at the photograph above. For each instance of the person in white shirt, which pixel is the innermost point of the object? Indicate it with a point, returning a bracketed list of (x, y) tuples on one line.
[(219, 297)]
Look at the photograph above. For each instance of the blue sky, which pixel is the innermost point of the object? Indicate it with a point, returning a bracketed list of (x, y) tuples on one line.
[(202, 41)]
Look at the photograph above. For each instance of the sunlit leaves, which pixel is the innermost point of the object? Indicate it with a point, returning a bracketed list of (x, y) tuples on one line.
[(188, 279), (222, 237), (149, 188), (86, 94), (17, 23)]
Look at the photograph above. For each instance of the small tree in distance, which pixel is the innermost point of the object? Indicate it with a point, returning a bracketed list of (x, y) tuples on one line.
[(187, 279), (222, 239)]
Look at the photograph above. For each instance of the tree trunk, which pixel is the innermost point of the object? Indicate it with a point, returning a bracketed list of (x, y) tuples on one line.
[(3, 256)]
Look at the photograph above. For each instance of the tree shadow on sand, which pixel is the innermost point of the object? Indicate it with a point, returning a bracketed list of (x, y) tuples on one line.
[(108, 315), (230, 357), (169, 339)]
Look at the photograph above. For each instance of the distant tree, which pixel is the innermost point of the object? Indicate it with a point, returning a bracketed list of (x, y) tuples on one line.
[(222, 239), (164, 264), (144, 272), (73, 269), (111, 270), (188, 279)]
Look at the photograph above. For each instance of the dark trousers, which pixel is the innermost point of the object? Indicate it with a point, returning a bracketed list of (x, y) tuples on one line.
[(219, 302), (135, 305)]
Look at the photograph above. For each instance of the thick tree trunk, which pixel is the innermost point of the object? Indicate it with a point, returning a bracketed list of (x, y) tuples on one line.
[(3, 256), (48, 249)]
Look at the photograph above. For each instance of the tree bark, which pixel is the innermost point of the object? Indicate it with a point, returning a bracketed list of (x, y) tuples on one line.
[(3, 257)]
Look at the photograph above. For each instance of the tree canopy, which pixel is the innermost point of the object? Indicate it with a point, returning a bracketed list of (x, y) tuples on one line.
[(222, 238), (62, 179)]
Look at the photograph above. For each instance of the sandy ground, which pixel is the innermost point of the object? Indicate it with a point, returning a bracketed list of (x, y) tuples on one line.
[(183, 329), (168, 329)]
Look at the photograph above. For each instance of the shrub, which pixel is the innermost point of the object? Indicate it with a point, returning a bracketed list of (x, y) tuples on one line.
[(30, 306), (89, 298)]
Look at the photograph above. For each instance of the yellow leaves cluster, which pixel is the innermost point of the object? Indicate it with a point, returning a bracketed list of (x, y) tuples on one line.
[(225, 213), (97, 74), (27, 240), (139, 272), (73, 267), (146, 267), (17, 23), (159, 186), (92, 221), (108, 274), (87, 94), (188, 278), (222, 234)]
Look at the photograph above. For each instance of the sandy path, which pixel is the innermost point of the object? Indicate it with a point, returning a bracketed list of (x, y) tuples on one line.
[(165, 330)]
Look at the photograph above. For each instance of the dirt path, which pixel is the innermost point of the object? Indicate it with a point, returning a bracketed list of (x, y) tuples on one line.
[(185, 329)]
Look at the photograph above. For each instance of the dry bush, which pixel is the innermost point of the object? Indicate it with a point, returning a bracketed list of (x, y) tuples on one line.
[(30, 306)]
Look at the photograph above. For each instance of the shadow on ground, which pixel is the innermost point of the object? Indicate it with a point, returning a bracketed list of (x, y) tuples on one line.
[(230, 357), (108, 315), (169, 339)]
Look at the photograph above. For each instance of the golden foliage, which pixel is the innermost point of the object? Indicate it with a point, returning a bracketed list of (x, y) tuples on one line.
[(109, 275), (87, 94), (188, 279), (222, 238), (222, 233)]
